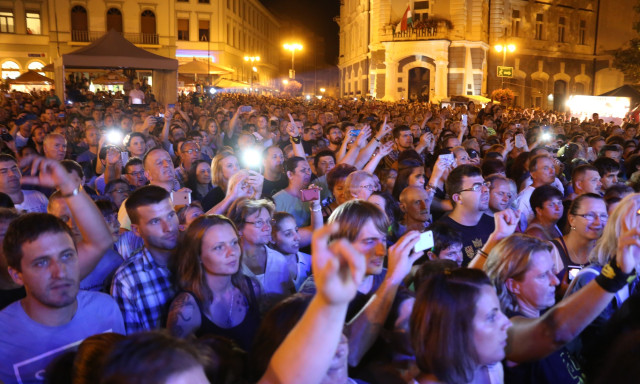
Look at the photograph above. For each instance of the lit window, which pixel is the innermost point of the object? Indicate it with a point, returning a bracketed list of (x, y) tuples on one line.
[(10, 70), (6, 22), (33, 23), (36, 66)]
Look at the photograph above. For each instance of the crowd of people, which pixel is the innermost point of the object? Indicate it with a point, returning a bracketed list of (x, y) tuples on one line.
[(240, 238)]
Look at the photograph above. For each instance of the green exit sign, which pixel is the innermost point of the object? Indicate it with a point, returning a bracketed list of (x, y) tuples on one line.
[(505, 71)]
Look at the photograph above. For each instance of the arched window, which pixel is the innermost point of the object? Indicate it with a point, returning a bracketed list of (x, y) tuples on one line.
[(36, 66), (114, 20), (79, 24), (148, 27), (10, 70)]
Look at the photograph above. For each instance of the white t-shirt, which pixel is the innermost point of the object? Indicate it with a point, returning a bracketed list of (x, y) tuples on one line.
[(34, 202)]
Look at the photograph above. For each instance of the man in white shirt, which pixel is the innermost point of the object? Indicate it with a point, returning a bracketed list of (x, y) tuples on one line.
[(136, 96)]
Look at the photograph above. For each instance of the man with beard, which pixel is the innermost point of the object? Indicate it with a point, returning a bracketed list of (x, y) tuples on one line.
[(142, 286), (289, 199), (55, 316), (11, 183), (335, 137), (274, 178), (470, 198)]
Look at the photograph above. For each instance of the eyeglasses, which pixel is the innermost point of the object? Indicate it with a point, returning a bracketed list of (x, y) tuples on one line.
[(137, 174), (190, 151), (368, 187), (476, 187), (591, 216), (121, 190), (261, 223)]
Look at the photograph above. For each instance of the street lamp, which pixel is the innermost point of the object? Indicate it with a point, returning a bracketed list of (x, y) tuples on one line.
[(293, 47), (252, 59), (504, 48)]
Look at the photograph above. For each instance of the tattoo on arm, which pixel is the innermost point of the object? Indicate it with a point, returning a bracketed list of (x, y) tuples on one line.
[(183, 319)]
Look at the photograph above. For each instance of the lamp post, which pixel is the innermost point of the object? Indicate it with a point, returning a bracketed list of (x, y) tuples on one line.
[(252, 59), (293, 47), (504, 48)]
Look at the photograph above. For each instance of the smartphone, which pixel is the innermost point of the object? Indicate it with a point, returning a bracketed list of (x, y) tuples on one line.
[(447, 159), (518, 125), (425, 242), (354, 132), (309, 194), (61, 115), (245, 108), (181, 198), (125, 157), (160, 114), (573, 271), (520, 142), (590, 151), (464, 121), (171, 106)]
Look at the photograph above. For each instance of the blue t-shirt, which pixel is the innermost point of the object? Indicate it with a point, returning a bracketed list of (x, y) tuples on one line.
[(27, 347)]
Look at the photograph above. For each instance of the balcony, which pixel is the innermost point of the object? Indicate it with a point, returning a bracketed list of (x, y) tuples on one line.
[(135, 38), (433, 31)]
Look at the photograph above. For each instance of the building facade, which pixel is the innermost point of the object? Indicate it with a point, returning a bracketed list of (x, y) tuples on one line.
[(561, 48), (33, 33)]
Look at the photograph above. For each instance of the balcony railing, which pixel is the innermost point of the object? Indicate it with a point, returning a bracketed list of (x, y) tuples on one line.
[(135, 38), (434, 32)]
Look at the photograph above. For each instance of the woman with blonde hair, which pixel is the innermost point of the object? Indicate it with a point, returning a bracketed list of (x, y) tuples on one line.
[(224, 166), (522, 269), (360, 185), (216, 298)]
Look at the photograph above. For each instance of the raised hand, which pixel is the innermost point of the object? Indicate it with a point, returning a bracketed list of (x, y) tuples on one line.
[(338, 269), (506, 222), (400, 257), (113, 156), (48, 173), (628, 251), (363, 136), (385, 149)]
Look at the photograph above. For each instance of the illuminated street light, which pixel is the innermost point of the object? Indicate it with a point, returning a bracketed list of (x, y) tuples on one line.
[(285, 81), (322, 90), (504, 48), (293, 47), (252, 59)]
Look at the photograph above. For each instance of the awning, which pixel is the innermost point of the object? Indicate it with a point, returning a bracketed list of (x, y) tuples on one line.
[(203, 68), (31, 77), (111, 78), (230, 84)]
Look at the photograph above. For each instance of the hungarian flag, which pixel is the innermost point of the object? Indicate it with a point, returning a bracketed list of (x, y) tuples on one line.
[(406, 19)]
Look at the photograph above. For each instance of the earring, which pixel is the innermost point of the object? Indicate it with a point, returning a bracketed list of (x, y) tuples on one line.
[(573, 228)]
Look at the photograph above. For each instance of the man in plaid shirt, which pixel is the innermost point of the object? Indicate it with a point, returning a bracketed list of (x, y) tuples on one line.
[(142, 286)]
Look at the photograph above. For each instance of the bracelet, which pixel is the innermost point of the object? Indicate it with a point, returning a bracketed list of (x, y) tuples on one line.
[(295, 140), (483, 253), (72, 193), (316, 210), (376, 139), (611, 278)]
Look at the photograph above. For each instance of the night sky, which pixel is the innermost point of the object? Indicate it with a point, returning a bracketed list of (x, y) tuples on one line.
[(316, 15)]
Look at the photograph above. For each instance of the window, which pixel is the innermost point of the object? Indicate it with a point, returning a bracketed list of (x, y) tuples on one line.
[(10, 70), (203, 30), (148, 22), (6, 22), (561, 26), (33, 23), (183, 29), (114, 20), (515, 22), (420, 10), (582, 37), (79, 24), (539, 26), (36, 66)]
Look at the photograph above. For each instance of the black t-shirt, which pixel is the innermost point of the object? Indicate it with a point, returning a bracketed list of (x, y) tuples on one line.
[(215, 196), (473, 237), (270, 188)]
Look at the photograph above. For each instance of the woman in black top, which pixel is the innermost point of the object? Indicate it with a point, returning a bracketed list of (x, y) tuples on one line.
[(216, 297)]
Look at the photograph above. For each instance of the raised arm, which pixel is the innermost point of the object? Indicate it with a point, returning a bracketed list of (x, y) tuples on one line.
[(532, 339), (306, 353), (367, 153), (360, 142), (113, 170), (96, 236), (365, 327), (295, 138), (306, 233), (383, 151), (506, 222)]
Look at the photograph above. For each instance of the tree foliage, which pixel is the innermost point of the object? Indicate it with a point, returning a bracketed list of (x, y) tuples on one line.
[(627, 59), (504, 96)]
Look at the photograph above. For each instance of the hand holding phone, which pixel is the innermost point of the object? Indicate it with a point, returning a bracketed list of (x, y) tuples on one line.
[(520, 141), (246, 109), (181, 197), (447, 159), (425, 242), (309, 194)]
